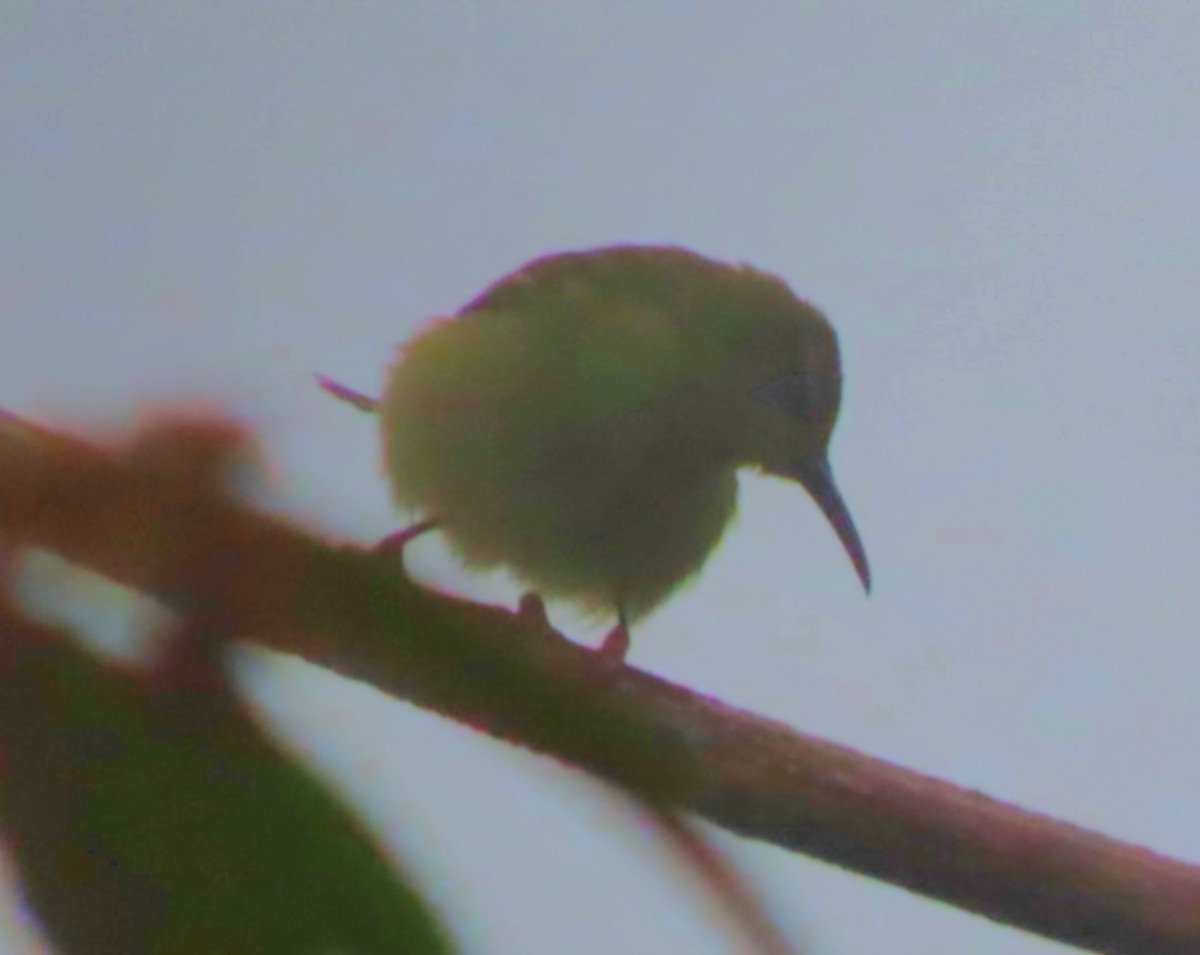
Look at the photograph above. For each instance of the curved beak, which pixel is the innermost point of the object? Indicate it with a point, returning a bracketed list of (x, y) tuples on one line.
[(818, 481)]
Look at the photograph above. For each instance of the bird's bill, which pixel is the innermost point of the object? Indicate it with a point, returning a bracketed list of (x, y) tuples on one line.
[(818, 481)]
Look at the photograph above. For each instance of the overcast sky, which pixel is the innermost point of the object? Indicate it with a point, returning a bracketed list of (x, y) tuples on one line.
[(997, 204)]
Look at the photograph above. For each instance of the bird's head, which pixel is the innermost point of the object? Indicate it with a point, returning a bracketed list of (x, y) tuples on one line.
[(783, 384)]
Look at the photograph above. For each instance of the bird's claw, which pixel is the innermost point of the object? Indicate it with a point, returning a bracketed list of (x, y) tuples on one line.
[(615, 646), (531, 611), (395, 543)]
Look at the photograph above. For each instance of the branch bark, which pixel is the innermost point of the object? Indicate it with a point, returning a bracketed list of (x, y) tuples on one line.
[(150, 527)]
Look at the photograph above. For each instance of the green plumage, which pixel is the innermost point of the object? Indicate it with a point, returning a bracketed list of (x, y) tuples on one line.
[(581, 422)]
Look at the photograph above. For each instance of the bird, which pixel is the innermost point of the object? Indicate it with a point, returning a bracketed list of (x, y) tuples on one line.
[(582, 421)]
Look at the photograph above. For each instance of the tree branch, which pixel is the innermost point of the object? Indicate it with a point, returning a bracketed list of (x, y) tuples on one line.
[(339, 608)]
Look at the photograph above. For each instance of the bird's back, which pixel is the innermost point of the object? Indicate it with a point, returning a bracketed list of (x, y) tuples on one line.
[(656, 276), (551, 426)]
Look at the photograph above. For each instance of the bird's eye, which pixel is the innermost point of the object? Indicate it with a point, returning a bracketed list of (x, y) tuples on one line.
[(802, 395)]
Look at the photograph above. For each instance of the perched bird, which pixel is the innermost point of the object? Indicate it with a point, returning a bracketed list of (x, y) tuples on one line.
[(581, 422)]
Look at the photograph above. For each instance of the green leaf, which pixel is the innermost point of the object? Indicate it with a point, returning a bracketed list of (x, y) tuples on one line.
[(149, 813)]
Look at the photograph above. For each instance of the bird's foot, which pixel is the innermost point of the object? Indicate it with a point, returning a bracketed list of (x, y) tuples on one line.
[(610, 655), (531, 611), (391, 548), (613, 650), (395, 543)]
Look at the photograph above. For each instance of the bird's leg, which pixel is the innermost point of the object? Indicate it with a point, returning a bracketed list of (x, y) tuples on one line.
[(616, 644), (531, 611), (395, 543)]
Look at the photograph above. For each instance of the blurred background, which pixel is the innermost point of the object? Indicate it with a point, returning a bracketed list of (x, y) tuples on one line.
[(998, 205)]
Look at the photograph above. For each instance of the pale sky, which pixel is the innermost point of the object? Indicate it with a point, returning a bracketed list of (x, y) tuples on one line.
[(998, 205)]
